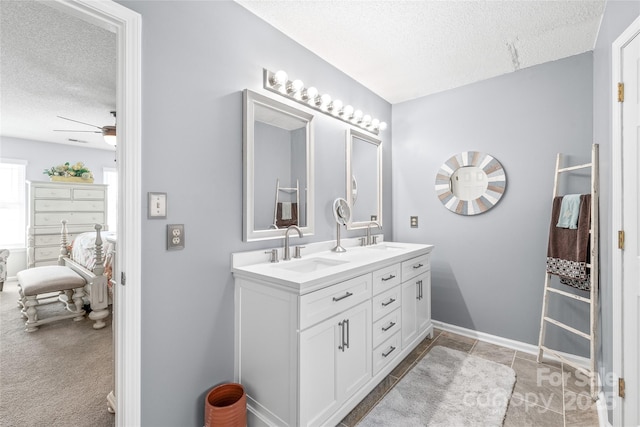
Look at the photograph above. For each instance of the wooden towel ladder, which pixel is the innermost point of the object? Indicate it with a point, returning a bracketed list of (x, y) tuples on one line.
[(592, 301)]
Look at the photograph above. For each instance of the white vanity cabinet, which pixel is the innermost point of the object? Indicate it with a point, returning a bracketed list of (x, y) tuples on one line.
[(416, 297), (310, 345)]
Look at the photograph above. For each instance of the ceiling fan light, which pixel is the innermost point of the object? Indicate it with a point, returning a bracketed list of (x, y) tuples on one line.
[(109, 134)]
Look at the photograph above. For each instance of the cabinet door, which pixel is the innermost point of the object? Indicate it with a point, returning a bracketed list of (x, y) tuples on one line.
[(409, 311), (335, 361), (424, 303), (354, 361)]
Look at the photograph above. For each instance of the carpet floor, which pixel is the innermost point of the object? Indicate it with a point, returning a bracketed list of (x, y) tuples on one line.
[(57, 376), (447, 388)]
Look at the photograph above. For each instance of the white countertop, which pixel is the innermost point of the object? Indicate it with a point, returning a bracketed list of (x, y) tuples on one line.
[(320, 266)]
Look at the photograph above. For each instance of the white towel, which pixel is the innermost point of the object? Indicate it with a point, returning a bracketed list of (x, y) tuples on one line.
[(569, 210), (286, 210)]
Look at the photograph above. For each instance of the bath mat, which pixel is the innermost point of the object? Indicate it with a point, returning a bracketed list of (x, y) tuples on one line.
[(447, 388)]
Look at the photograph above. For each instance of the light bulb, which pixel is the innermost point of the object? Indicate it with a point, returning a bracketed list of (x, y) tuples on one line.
[(325, 100), (383, 125), (357, 116), (347, 112), (366, 120), (311, 94), (336, 107), (279, 78), (375, 124), (295, 87)]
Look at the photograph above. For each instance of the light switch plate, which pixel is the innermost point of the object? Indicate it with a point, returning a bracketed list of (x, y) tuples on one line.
[(157, 205), (175, 236)]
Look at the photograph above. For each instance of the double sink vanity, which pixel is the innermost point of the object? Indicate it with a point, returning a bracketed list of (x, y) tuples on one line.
[(314, 335)]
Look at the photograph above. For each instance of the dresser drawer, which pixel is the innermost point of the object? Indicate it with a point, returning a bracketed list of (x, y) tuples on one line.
[(71, 217), (386, 326), (46, 205), (52, 193), (386, 302), (88, 193), (51, 239), (46, 253), (386, 278), (386, 352), (415, 266), (324, 303)]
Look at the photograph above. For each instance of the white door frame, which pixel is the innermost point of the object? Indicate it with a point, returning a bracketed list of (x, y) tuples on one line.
[(616, 216), (126, 24)]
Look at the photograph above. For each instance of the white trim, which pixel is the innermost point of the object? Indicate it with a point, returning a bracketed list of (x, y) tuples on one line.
[(127, 26), (507, 342), (14, 161), (616, 207), (601, 406)]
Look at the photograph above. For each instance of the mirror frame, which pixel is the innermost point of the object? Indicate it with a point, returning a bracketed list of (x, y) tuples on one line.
[(351, 133), (249, 100), (495, 188)]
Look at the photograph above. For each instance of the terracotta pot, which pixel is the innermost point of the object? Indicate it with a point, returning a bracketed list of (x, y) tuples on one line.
[(226, 405)]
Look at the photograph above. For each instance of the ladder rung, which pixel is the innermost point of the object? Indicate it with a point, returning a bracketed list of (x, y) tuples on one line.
[(568, 362), (567, 294), (572, 168), (568, 328)]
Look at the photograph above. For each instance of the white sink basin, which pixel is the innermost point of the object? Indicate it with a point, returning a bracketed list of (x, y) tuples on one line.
[(309, 265), (385, 247)]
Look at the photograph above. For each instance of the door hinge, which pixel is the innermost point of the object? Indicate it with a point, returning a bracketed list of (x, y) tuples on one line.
[(621, 387), (123, 278), (621, 239), (620, 92)]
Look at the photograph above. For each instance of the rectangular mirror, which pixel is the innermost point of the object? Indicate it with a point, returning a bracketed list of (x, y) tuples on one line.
[(278, 168), (364, 179)]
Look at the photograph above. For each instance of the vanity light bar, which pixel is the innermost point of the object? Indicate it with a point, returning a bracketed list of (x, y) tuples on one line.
[(279, 83)]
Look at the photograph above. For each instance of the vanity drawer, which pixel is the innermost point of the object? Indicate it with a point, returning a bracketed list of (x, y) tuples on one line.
[(69, 205), (386, 278), (386, 302), (71, 217), (415, 266), (324, 303), (386, 352), (385, 327)]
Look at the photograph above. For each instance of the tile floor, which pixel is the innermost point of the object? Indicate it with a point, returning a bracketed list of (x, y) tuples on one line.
[(545, 394)]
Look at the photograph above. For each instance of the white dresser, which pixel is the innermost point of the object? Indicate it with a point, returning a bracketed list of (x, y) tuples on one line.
[(82, 205)]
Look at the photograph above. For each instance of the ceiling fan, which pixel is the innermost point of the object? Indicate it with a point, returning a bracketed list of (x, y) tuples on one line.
[(108, 132)]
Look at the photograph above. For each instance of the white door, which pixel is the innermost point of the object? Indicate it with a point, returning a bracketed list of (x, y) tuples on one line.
[(625, 158), (630, 62), (410, 297), (354, 361)]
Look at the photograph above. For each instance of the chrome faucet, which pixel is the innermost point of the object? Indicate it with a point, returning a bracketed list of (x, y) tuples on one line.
[(369, 242), (287, 254)]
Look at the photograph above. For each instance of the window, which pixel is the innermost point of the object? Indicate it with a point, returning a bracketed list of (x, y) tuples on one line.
[(110, 177), (12, 203)]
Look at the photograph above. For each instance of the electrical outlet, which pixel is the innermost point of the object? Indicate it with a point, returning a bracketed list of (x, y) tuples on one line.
[(414, 222), (175, 236), (374, 217)]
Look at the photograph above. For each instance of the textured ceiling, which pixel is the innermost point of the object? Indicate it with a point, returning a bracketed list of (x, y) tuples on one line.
[(54, 64), (407, 49)]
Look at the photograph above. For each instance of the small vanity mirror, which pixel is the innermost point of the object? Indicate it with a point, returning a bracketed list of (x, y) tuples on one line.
[(470, 183), (278, 168), (364, 179), (341, 211)]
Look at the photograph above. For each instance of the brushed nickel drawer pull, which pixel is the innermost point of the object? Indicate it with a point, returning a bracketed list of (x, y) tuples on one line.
[(386, 328), (391, 301), (391, 276), (419, 265), (347, 295), (388, 352)]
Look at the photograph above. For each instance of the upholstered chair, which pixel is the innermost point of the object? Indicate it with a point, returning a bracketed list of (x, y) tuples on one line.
[(4, 254)]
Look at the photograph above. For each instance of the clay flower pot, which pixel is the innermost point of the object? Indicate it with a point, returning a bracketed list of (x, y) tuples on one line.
[(226, 405)]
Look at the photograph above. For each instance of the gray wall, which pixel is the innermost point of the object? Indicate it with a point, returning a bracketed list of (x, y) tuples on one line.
[(43, 155), (488, 270), (617, 17), (197, 58)]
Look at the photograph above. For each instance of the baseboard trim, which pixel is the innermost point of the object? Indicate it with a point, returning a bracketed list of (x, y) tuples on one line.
[(507, 342)]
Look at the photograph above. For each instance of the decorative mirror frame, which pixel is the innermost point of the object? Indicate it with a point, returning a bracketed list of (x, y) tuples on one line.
[(495, 189), (352, 190), (249, 100)]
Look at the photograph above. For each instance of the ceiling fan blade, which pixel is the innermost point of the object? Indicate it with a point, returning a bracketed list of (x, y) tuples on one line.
[(77, 121), (65, 130)]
